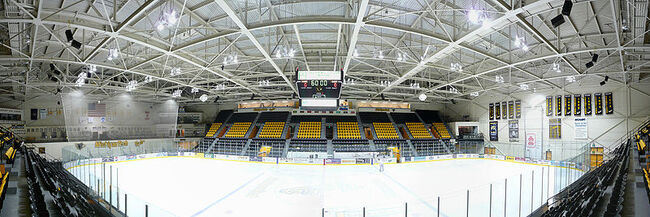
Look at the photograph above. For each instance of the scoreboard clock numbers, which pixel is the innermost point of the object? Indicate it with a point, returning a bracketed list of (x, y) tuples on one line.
[(319, 88)]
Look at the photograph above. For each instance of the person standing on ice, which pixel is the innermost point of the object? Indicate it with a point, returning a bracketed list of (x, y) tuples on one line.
[(381, 166)]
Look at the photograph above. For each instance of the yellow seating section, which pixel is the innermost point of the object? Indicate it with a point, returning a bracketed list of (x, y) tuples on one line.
[(272, 130), (640, 145), (647, 178), (442, 130), (213, 129), (309, 130), (418, 131), (4, 183), (385, 130), (238, 130), (11, 152), (348, 130)]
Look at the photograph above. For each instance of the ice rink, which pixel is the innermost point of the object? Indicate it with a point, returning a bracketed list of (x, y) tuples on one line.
[(182, 186)]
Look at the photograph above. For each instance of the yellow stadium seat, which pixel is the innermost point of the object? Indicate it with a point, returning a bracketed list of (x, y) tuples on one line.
[(418, 131), (213, 129), (272, 130), (238, 130), (348, 130), (309, 130), (442, 130), (385, 130)]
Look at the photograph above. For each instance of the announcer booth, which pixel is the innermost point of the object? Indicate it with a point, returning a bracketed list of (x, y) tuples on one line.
[(319, 90)]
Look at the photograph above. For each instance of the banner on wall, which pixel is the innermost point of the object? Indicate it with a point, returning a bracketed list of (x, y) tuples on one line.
[(549, 106), (491, 111), (518, 109), (34, 114), (504, 108), (511, 109), (555, 128), (588, 104), (513, 128), (580, 128), (558, 105), (497, 111), (494, 131), (609, 103), (577, 105), (533, 149), (43, 113), (598, 97), (567, 105)]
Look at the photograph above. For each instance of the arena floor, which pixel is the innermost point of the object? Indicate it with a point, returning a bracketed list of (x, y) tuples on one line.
[(178, 186)]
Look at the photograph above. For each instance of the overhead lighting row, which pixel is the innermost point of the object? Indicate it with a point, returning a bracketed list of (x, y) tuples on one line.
[(520, 42), (230, 59), (349, 81), (81, 79), (264, 83), (456, 67), (113, 53), (283, 52), (177, 93), (415, 85), (131, 85), (175, 71)]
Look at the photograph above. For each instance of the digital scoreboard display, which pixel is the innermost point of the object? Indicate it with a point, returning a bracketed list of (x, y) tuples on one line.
[(319, 89)]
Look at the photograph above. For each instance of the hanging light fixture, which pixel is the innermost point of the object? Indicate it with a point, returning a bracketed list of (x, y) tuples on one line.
[(571, 79), (474, 94), (499, 79), (523, 86), (203, 98), (422, 97), (177, 93)]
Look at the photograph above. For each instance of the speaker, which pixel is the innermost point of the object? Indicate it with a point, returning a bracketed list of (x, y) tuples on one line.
[(594, 58), (216, 99), (566, 8), (52, 66), (382, 97), (252, 96), (557, 21), (606, 78), (589, 64), (76, 44), (602, 83), (68, 35)]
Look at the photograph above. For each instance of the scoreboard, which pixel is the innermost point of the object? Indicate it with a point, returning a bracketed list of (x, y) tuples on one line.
[(319, 88)]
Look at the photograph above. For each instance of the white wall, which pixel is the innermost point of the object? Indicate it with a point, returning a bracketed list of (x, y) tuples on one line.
[(631, 107)]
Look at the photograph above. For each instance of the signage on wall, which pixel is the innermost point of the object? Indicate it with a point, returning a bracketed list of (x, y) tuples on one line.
[(549, 106), (555, 128), (494, 131), (497, 110), (531, 140), (504, 108), (518, 109), (577, 105), (598, 97), (491, 111), (567, 105), (558, 105), (513, 128), (588, 104), (511, 109), (580, 128), (609, 103)]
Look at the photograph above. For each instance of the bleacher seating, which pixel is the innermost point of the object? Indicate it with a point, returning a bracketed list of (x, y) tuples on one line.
[(308, 145), (370, 117), (238, 130), (385, 130), (305, 118), (351, 145), (242, 117), (429, 147), (418, 131), (401, 118), (229, 146), (429, 116), (213, 129), (442, 130), (309, 130), (273, 117), (272, 130), (277, 147), (348, 130)]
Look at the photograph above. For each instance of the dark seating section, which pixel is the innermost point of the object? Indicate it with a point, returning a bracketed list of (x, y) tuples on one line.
[(277, 147), (641, 142), (401, 118), (429, 116), (242, 117), (305, 118), (228, 146), (582, 197), (334, 119), (351, 145), (205, 144), (405, 149), (308, 145), (222, 116), (429, 147), (272, 117), (370, 117)]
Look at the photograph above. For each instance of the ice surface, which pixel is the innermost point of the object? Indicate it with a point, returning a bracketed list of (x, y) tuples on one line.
[(179, 186)]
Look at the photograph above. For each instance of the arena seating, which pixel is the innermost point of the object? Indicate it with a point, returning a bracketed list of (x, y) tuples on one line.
[(418, 131), (309, 130), (429, 147), (238, 130), (213, 129), (242, 117), (277, 147), (347, 130), (272, 130), (308, 145), (229, 146), (223, 115), (642, 137), (351, 145), (401, 118), (385, 130), (273, 117), (370, 117), (442, 130)]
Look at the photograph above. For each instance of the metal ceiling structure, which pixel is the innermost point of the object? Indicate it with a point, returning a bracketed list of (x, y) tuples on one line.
[(398, 49)]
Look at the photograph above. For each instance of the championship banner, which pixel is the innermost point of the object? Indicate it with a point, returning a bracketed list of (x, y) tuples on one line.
[(491, 111), (497, 111), (504, 108), (518, 109), (567, 105), (609, 103), (580, 128), (558, 105), (555, 128), (599, 103), (588, 105), (549, 106), (511, 110), (577, 105), (494, 131), (513, 128)]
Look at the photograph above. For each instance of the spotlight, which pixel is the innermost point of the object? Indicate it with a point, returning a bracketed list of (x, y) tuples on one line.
[(381, 55), (589, 64), (195, 90), (160, 26), (474, 16), (606, 78), (355, 53), (499, 79), (76, 44), (571, 79), (422, 97), (523, 86), (68, 35), (474, 94), (557, 21), (566, 8), (594, 58), (602, 83), (177, 93), (203, 98)]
